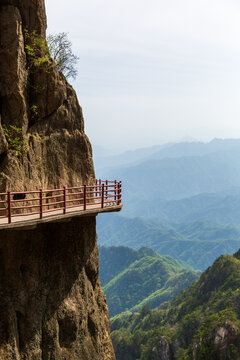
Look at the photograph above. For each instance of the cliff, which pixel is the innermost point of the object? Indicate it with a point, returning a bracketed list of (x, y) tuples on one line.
[(51, 303), (36, 98)]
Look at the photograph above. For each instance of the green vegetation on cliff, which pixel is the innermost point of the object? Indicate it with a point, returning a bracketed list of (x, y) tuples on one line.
[(201, 323), (135, 278), (16, 143)]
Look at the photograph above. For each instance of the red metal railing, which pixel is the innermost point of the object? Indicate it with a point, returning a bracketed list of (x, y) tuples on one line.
[(102, 194)]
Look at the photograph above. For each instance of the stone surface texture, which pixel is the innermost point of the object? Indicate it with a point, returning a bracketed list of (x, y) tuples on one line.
[(222, 339), (52, 306), (162, 351), (58, 152), (51, 303)]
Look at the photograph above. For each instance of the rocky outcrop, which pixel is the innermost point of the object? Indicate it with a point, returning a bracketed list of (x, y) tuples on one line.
[(222, 344), (38, 100), (51, 303), (162, 350), (224, 341), (52, 306)]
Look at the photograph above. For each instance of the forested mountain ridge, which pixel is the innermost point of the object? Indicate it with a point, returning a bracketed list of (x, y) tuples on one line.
[(184, 201), (198, 243), (201, 323), (134, 278), (176, 186), (116, 259)]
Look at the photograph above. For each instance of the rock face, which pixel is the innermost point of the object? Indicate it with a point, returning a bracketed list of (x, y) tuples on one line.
[(162, 351), (51, 303), (224, 340), (37, 99), (52, 306)]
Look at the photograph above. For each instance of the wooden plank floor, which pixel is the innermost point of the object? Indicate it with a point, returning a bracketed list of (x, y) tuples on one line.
[(31, 221)]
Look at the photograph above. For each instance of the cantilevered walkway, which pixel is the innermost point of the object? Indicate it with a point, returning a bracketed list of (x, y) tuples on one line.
[(19, 210)]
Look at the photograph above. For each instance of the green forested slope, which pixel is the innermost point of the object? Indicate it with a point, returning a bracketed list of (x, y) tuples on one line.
[(141, 277), (201, 323), (114, 260), (198, 243)]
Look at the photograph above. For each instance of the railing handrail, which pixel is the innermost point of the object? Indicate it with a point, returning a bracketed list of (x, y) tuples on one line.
[(104, 193)]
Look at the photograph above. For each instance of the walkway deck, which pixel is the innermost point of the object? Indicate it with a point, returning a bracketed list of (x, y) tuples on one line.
[(31, 221), (25, 210)]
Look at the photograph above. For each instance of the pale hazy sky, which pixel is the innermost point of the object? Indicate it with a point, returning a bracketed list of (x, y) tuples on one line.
[(151, 71)]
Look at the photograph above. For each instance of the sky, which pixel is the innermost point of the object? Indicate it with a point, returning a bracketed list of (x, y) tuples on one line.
[(153, 71)]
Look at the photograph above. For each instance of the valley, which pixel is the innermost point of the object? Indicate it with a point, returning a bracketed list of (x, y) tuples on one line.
[(202, 322), (134, 278), (181, 216)]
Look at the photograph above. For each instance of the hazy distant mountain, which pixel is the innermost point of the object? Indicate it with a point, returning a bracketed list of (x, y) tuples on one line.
[(198, 243), (222, 208), (105, 159), (174, 187), (177, 178), (197, 148)]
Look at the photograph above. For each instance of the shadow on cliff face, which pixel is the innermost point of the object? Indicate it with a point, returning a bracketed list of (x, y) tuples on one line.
[(48, 277)]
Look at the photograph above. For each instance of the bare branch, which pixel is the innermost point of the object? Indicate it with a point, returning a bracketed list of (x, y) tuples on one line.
[(60, 49)]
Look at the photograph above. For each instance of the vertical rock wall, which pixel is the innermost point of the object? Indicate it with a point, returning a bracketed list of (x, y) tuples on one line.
[(51, 303), (36, 99)]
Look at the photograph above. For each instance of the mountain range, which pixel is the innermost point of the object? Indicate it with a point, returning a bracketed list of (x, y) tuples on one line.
[(182, 200), (201, 323), (134, 278), (198, 243), (174, 188), (105, 159)]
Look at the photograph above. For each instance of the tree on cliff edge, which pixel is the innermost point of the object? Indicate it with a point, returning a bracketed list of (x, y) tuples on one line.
[(60, 49)]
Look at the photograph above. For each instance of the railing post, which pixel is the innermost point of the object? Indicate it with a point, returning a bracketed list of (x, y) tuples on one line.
[(100, 187), (9, 207), (64, 200), (106, 189), (102, 196), (41, 203), (119, 193), (96, 188), (115, 190), (120, 190), (85, 197)]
